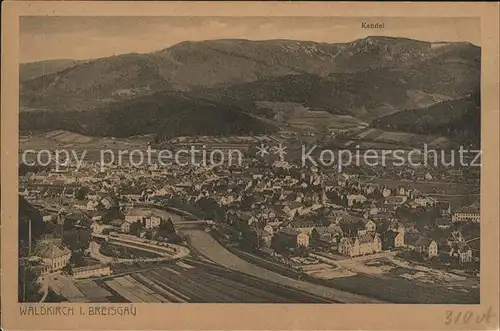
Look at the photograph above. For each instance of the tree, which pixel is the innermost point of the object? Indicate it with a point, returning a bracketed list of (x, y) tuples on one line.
[(148, 234), (136, 228), (301, 251), (280, 244), (28, 288), (166, 228), (113, 214), (81, 193), (250, 240)]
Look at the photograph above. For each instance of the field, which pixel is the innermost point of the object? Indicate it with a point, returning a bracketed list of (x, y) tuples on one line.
[(64, 139), (296, 116), (458, 194), (223, 140), (401, 138), (397, 281)]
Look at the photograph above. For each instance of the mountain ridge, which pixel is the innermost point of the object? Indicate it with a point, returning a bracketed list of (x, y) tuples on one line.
[(368, 78), (214, 63)]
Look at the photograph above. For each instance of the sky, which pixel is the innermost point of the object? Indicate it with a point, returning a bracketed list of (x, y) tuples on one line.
[(78, 38)]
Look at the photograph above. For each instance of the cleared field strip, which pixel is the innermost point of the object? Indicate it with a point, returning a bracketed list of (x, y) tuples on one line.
[(168, 285), (267, 292), (146, 289), (159, 289), (171, 270), (216, 291), (244, 292), (194, 289), (115, 286), (93, 291), (184, 265), (133, 287), (140, 290), (369, 134)]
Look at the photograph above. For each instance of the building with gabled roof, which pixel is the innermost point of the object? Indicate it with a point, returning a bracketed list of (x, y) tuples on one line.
[(461, 251), (362, 244), (53, 253), (424, 245)]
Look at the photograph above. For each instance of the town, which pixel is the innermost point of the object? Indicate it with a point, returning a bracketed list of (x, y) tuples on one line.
[(319, 223)]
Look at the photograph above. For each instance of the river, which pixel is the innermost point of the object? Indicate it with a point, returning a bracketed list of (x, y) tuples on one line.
[(207, 246)]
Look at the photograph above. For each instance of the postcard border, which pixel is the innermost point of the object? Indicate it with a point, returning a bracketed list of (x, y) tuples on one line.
[(262, 316)]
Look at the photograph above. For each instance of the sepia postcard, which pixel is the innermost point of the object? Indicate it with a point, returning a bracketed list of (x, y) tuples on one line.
[(250, 166)]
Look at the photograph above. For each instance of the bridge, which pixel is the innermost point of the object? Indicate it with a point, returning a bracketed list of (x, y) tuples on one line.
[(179, 217)]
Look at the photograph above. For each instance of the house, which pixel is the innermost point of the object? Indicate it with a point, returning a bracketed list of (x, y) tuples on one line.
[(393, 239), (92, 205), (306, 226), (46, 217), (80, 204), (355, 198), (268, 228), (396, 200), (54, 255), (425, 246), (264, 238), (351, 224), (466, 214), (362, 244), (461, 251), (443, 223), (455, 236), (96, 215), (95, 270), (226, 200), (369, 189), (444, 207), (117, 223), (132, 218), (423, 201), (410, 226), (293, 209), (327, 237), (23, 191), (107, 203), (125, 227), (370, 225), (153, 222), (373, 209), (98, 227), (294, 237), (397, 226)]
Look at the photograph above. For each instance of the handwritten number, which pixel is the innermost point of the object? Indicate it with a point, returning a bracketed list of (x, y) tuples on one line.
[(467, 317), (448, 317), (457, 319)]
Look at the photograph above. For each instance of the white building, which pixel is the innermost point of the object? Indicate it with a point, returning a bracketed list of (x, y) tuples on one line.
[(466, 215), (97, 227), (53, 254), (153, 222), (91, 271)]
